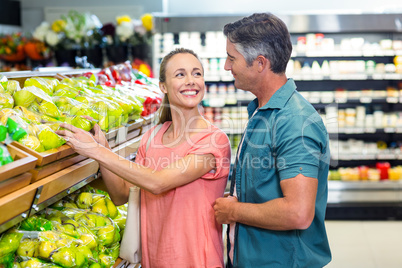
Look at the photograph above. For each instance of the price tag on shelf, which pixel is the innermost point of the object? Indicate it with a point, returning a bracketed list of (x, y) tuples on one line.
[(370, 130), (389, 52), (392, 99), (297, 77), (217, 102), (212, 78), (370, 157), (231, 101), (389, 130), (379, 53), (398, 130), (357, 76), (377, 76), (317, 77), (327, 100), (386, 157), (348, 130), (341, 100), (307, 77), (332, 130), (336, 77), (227, 78), (368, 53), (314, 100), (366, 100), (358, 130), (392, 76)]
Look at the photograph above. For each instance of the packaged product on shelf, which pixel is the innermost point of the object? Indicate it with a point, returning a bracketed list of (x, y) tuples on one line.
[(5, 156), (9, 243), (12, 131)]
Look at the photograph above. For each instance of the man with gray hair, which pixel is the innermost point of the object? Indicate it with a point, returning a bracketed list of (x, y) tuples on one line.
[(278, 196)]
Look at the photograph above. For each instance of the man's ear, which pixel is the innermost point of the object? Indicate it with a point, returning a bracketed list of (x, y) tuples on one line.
[(162, 87), (263, 63)]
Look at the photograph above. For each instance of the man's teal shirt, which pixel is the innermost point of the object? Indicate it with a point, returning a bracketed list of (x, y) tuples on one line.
[(284, 138)]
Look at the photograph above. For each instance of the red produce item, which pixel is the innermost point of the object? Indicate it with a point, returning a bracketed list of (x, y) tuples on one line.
[(383, 169)]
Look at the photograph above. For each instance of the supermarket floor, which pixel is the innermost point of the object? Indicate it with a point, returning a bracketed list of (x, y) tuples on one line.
[(365, 244)]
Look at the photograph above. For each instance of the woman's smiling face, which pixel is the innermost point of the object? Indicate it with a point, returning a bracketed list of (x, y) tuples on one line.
[(185, 83)]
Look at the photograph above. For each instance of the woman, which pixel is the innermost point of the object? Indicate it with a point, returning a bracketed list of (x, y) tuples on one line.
[(181, 174)]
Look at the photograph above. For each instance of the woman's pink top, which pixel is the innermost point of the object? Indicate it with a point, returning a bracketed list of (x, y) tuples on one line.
[(178, 227)]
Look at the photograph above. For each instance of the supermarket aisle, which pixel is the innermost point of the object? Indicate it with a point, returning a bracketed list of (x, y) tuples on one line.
[(365, 244)]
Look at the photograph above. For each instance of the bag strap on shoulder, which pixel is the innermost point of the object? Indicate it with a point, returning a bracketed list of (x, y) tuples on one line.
[(153, 134)]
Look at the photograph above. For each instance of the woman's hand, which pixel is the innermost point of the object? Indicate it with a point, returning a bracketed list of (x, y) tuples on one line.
[(97, 133), (82, 141)]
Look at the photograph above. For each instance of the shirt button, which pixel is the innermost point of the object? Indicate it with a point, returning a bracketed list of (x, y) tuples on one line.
[(301, 168)]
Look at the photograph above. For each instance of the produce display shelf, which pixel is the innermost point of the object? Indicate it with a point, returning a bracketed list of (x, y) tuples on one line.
[(22, 163), (20, 204), (48, 156), (15, 183), (21, 76)]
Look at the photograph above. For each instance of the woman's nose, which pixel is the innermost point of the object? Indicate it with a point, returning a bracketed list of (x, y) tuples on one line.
[(190, 80)]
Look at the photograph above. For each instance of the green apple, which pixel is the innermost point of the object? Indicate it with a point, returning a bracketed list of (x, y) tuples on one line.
[(23, 98), (83, 99), (113, 212), (106, 235), (64, 257), (45, 249), (50, 109), (105, 260), (32, 263), (104, 123), (39, 83), (11, 86), (89, 240), (86, 251), (89, 112), (28, 247), (82, 123), (30, 116), (84, 200), (66, 91), (6, 101), (52, 82), (32, 142), (100, 207), (49, 139)]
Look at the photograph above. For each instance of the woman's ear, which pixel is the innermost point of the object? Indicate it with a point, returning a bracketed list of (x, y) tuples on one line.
[(162, 87)]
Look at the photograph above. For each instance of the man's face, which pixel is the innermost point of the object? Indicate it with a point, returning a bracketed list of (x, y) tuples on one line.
[(243, 74)]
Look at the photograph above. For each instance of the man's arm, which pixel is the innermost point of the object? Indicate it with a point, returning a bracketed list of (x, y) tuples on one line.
[(295, 210)]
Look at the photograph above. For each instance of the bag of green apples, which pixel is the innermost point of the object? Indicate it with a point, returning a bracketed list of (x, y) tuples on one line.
[(38, 101), (46, 84), (55, 247), (36, 223), (9, 242), (106, 231), (67, 225), (48, 138), (28, 262)]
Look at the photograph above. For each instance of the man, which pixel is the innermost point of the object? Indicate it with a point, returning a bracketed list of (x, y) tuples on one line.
[(279, 180)]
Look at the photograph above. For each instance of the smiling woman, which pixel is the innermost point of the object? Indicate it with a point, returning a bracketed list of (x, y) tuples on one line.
[(181, 174), (186, 74)]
